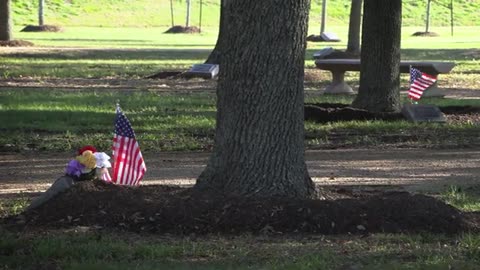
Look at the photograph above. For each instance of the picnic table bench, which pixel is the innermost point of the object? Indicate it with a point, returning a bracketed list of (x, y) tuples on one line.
[(338, 67)]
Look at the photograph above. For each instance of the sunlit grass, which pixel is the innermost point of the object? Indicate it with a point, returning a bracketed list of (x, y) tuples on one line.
[(467, 200)]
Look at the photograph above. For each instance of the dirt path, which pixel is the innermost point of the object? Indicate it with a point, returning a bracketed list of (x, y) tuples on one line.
[(408, 169)]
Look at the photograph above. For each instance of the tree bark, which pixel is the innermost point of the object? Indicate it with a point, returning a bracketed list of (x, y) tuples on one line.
[(379, 89), (259, 137), (427, 16), (215, 56), (5, 21), (353, 45), (189, 8), (40, 12)]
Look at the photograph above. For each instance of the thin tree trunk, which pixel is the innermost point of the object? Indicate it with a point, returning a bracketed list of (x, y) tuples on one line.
[(353, 45), (324, 16), (40, 12), (5, 21), (380, 57), (259, 138), (427, 17), (187, 23)]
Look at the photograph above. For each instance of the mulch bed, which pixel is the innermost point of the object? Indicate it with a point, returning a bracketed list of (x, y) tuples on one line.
[(42, 28), (175, 210), (332, 112), (178, 29), (16, 43), (425, 34)]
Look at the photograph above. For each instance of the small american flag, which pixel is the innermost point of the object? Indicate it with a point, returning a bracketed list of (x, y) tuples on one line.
[(419, 81), (129, 166)]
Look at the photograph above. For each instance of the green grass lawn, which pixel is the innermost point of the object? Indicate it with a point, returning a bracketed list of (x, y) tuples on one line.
[(63, 119)]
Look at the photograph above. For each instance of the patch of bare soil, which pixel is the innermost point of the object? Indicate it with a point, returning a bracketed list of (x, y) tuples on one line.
[(165, 75), (178, 29), (16, 43), (167, 209), (42, 28)]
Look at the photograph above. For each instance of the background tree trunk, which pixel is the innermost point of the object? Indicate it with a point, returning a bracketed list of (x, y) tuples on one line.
[(189, 8), (40, 12), (427, 16), (5, 21), (380, 57), (353, 45), (216, 55), (259, 139)]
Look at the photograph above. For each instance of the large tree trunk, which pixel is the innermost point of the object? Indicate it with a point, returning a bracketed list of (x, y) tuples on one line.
[(215, 56), (259, 139), (380, 57), (5, 21), (353, 45)]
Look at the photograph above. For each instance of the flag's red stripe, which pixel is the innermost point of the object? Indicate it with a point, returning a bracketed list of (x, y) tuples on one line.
[(431, 77), (139, 167), (123, 164)]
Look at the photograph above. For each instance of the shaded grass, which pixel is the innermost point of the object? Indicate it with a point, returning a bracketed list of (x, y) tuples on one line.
[(136, 52), (103, 250), (55, 120)]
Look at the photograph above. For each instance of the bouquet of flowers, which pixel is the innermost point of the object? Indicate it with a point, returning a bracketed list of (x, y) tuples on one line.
[(88, 165)]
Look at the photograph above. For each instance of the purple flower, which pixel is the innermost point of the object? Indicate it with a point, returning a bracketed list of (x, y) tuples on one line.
[(74, 168)]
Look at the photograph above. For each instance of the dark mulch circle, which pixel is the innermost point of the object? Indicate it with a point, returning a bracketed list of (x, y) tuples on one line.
[(319, 38), (425, 34), (332, 112), (42, 28), (16, 43), (178, 29), (165, 75), (164, 209)]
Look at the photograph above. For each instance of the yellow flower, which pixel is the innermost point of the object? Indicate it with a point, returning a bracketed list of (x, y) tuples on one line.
[(88, 159)]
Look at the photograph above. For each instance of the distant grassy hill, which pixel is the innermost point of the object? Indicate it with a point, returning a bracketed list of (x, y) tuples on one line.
[(113, 13)]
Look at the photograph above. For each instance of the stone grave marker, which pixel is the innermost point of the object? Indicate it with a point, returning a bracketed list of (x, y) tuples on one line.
[(423, 113), (328, 36), (206, 71), (322, 53)]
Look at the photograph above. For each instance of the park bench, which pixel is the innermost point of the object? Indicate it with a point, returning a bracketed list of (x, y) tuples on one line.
[(338, 67)]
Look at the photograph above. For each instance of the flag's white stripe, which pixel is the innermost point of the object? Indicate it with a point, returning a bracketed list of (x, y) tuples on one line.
[(118, 160), (126, 164), (126, 142), (139, 165), (416, 91), (134, 164), (425, 77), (426, 83), (421, 84), (418, 88), (414, 95), (130, 172)]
